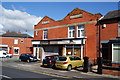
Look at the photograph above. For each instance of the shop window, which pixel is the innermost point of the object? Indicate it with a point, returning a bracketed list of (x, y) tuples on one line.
[(80, 31), (15, 41), (45, 34), (71, 32)]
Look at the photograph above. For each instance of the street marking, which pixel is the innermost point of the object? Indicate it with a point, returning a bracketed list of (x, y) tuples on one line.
[(5, 76)]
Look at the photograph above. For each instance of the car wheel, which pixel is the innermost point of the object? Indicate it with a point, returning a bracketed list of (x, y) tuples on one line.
[(28, 60), (69, 67)]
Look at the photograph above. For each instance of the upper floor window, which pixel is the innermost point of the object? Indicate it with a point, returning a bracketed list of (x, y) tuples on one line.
[(15, 41), (21, 40), (36, 33), (80, 30), (45, 34), (119, 28), (71, 31)]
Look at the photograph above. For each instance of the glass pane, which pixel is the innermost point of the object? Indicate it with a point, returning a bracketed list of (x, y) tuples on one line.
[(116, 55), (45, 34), (78, 33), (71, 27), (73, 33), (82, 32), (117, 45), (80, 26), (69, 33)]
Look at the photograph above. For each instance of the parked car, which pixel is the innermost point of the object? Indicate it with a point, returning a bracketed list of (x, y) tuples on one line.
[(27, 57), (4, 54), (49, 61), (68, 62)]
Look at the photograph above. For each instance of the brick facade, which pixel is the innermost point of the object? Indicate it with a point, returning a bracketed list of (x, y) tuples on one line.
[(110, 38), (60, 30), (24, 45)]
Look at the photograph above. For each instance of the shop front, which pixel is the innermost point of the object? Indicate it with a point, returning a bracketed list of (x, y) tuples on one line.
[(62, 47)]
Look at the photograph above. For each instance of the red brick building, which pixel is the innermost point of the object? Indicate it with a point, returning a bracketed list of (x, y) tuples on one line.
[(16, 43), (110, 37), (73, 35)]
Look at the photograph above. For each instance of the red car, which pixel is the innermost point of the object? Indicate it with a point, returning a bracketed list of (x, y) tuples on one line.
[(49, 61)]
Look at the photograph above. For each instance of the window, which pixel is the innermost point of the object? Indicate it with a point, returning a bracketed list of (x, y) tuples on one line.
[(45, 34), (80, 31), (116, 53), (71, 31), (119, 28), (21, 41), (36, 33), (61, 59), (16, 50), (15, 41)]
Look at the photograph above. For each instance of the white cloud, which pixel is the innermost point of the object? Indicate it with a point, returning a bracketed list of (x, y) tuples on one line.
[(15, 20)]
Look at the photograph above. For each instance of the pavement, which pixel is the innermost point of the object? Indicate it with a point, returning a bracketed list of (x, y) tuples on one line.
[(36, 67)]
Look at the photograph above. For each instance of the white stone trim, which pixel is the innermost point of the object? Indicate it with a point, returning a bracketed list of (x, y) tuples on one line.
[(89, 22)]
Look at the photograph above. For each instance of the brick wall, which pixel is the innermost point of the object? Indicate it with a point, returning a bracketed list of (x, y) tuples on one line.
[(54, 33), (110, 31), (23, 47)]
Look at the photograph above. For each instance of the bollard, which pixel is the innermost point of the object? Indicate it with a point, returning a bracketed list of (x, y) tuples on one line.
[(86, 64), (99, 62)]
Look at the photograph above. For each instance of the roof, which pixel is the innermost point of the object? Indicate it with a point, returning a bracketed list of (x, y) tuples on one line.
[(112, 15), (14, 34)]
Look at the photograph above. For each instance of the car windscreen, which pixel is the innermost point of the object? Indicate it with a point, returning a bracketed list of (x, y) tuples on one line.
[(48, 58), (61, 59), (28, 54)]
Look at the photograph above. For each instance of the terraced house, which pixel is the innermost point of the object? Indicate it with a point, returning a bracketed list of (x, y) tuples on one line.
[(75, 34), (16, 43), (110, 38)]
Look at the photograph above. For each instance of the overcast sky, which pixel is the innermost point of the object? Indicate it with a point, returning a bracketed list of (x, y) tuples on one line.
[(20, 17)]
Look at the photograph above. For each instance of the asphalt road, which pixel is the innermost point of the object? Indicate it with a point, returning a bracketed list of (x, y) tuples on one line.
[(12, 73)]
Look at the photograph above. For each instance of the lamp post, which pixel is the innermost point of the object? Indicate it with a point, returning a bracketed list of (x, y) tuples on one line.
[(99, 57)]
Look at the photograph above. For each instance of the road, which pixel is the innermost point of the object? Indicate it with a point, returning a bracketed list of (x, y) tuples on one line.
[(34, 71), (12, 73)]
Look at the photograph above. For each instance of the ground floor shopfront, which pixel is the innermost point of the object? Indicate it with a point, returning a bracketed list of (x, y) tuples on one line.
[(62, 47)]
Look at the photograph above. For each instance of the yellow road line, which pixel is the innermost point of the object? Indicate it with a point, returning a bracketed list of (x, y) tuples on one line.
[(49, 74)]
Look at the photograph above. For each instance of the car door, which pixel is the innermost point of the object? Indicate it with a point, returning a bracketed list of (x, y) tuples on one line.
[(72, 61), (78, 61)]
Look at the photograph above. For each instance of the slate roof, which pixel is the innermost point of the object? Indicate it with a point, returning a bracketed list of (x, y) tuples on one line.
[(14, 34), (111, 15)]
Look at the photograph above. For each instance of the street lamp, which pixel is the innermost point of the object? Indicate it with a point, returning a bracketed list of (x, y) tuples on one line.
[(99, 57)]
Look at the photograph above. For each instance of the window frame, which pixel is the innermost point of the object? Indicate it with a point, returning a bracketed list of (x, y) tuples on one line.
[(17, 49), (72, 35), (114, 48), (44, 34), (16, 41), (36, 33), (81, 29)]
